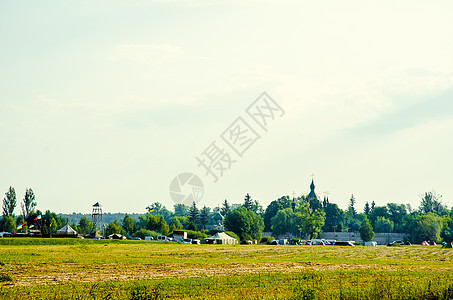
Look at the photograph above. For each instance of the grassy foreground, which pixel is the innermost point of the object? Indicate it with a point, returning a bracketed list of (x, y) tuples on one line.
[(87, 269)]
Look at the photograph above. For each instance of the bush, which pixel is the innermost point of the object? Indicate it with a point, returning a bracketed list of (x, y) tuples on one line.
[(142, 232), (191, 234), (5, 278), (266, 240)]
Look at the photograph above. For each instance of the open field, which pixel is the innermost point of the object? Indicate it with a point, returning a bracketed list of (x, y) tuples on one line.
[(87, 269)]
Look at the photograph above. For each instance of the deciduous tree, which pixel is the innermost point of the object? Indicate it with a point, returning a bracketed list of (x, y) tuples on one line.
[(366, 231), (245, 223), (9, 202), (28, 205)]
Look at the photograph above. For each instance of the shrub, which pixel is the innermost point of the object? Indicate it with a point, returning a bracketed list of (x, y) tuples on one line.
[(5, 278), (266, 240), (142, 232), (196, 234)]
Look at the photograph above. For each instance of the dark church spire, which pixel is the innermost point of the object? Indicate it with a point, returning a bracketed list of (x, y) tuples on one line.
[(312, 193)]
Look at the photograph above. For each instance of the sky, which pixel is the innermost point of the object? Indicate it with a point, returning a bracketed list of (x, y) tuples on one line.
[(109, 101)]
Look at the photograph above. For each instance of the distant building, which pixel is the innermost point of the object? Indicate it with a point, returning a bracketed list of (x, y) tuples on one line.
[(215, 222)]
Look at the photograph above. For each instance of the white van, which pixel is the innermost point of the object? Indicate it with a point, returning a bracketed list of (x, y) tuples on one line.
[(162, 238), (370, 244)]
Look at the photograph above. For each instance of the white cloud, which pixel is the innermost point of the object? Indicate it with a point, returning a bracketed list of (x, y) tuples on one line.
[(145, 53)]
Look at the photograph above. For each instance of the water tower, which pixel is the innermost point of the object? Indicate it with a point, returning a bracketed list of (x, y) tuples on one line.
[(96, 217)]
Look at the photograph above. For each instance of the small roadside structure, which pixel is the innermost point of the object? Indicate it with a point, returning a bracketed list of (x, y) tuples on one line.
[(179, 235), (220, 238)]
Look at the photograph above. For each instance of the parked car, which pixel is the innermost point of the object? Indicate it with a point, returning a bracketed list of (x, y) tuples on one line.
[(187, 241), (345, 243), (396, 243), (137, 239), (196, 242), (162, 238)]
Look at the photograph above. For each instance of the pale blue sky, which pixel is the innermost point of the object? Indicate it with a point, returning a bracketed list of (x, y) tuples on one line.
[(109, 100)]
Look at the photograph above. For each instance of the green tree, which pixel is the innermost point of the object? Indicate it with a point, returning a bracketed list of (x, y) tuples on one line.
[(429, 227), (367, 208), (7, 224), (397, 213), (128, 224), (158, 209), (378, 211), (85, 226), (431, 203), (113, 227), (272, 209), (351, 209), (283, 222), (366, 231), (309, 221), (142, 233), (53, 225), (192, 226), (246, 224), (204, 216), (252, 205), (334, 217), (248, 202), (181, 210), (28, 205), (383, 224), (194, 214), (175, 223), (157, 223), (9, 202), (225, 208)]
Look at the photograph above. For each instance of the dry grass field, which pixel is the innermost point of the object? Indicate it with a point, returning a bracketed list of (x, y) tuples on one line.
[(87, 269)]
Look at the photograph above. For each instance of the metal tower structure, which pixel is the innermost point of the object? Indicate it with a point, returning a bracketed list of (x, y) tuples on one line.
[(96, 217)]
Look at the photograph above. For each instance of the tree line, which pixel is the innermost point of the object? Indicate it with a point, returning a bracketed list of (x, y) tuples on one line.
[(301, 217)]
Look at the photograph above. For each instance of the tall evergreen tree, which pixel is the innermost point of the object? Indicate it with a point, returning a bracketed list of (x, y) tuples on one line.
[(367, 208), (225, 208), (204, 216), (194, 214), (9, 202), (248, 202), (351, 209), (373, 205)]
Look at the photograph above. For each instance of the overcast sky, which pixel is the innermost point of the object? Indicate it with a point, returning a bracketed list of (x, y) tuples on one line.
[(110, 100)]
